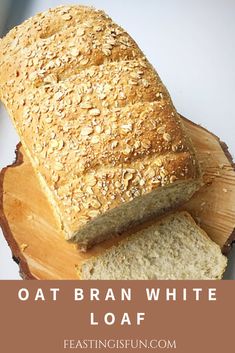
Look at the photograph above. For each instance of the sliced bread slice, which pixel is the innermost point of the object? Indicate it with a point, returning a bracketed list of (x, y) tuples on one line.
[(172, 248)]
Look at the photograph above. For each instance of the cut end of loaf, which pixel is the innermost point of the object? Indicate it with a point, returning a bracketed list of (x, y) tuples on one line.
[(173, 248), (130, 214)]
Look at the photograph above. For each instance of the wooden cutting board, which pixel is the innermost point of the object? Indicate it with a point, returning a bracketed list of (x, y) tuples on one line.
[(38, 245)]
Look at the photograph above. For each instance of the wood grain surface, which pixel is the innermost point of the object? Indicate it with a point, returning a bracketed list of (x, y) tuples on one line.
[(38, 245)]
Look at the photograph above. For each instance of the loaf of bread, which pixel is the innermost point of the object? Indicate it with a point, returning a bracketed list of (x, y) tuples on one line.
[(96, 122), (172, 248)]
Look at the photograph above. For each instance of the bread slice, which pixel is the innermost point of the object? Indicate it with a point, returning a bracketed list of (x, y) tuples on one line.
[(96, 122), (172, 248)]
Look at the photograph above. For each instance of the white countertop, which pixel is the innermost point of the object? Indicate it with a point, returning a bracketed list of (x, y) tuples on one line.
[(191, 44)]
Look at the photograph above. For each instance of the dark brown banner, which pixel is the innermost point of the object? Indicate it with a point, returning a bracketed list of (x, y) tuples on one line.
[(116, 316)]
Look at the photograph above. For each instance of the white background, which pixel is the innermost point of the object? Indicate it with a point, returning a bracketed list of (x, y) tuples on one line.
[(192, 46)]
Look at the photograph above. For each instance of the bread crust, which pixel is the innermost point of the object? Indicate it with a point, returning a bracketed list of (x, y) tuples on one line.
[(92, 114)]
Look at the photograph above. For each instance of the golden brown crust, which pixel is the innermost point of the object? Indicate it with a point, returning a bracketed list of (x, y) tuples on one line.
[(93, 115)]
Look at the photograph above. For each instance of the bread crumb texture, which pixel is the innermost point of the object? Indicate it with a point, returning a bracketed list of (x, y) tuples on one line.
[(173, 248)]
